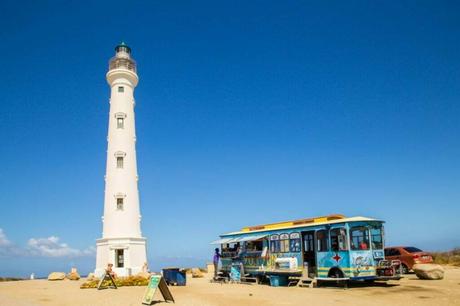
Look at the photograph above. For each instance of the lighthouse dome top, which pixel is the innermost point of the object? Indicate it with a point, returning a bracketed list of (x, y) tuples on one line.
[(123, 47)]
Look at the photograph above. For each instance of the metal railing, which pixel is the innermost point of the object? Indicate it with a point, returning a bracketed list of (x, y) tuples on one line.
[(126, 63)]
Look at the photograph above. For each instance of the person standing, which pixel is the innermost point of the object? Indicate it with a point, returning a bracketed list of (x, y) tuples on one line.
[(215, 260)]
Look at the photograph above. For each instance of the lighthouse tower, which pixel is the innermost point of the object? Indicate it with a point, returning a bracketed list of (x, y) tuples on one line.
[(122, 243)]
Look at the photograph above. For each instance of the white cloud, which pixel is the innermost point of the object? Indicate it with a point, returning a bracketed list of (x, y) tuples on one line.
[(51, 247), (4, 242), (90, 251), (7, 248), (43, 247)]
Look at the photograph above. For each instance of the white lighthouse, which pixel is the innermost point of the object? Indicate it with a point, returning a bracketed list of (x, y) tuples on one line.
[(122, 243)]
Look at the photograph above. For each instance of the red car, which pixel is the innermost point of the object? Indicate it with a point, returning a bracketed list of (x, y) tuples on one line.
[(409, 256)]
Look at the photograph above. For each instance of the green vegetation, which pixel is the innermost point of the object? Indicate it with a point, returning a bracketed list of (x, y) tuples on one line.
[(119, 281), (447, 258), (10, 279)]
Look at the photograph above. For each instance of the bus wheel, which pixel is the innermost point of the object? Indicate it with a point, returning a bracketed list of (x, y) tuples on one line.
[(335, 273)]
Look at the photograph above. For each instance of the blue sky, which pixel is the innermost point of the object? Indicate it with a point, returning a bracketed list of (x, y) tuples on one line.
[(247, 112)]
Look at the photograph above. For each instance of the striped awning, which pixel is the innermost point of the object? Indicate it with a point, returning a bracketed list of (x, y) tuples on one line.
[(239, 239), (249, 238)]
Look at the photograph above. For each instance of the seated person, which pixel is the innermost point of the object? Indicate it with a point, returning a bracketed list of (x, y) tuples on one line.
[(335, 246), (363, 245), (110, 271), (238, 253), (145, 268)]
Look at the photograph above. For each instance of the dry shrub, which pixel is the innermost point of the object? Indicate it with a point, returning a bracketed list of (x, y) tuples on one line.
[(119, 281), (447, 258), (10, 279)]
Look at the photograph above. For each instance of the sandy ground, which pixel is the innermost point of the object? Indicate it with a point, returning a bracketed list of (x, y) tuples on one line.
[(408, 291)]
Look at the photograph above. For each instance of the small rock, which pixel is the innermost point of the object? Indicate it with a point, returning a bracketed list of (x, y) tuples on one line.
[(196, 273), (56, 276), (73, 276), (429, 271)]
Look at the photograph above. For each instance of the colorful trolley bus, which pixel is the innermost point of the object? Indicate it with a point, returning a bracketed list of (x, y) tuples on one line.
[(325, 248)]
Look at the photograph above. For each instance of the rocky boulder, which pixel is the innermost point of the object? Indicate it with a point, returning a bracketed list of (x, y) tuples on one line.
[(56, 276), (73, 276), (196, 273), (429, 271)]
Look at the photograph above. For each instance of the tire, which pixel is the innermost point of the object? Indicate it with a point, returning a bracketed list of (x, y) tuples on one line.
[(335, 273), (404, 269)]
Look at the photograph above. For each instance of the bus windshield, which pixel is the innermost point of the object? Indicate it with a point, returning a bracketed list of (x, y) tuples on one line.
[(377, 238), (359, 238)]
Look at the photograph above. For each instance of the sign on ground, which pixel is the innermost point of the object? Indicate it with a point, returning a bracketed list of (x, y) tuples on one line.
[(156, 281), (109, 277)]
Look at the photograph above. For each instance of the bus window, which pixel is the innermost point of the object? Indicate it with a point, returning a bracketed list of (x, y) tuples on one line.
[(321, 238), (254, 246), (377, 238), (274, 244), (359, 237), (294, 242), (229, 249), (339, 239), (284, 243), (308, 243)]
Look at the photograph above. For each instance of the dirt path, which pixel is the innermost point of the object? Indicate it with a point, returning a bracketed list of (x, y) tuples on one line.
[(200, 292)]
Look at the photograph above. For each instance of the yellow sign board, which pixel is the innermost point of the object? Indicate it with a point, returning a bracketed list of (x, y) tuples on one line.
[(157, 281)]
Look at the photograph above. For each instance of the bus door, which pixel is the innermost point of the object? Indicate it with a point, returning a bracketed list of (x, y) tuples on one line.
[(309, 254)]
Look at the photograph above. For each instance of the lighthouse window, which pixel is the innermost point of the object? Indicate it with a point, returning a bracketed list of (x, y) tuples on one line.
[(119, 258), (120, 117), (121, 89), (120, 203), (119, 162), (120, 123)]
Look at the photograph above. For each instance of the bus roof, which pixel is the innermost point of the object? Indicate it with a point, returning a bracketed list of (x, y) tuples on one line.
[(332, 219)]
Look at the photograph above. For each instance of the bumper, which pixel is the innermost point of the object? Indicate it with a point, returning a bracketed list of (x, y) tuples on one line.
[(388, 270), (387, 278)]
